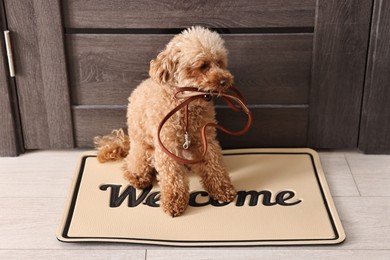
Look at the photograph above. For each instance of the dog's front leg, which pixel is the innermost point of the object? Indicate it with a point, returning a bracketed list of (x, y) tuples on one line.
[(137, 166), (173, 181), (215, 178)]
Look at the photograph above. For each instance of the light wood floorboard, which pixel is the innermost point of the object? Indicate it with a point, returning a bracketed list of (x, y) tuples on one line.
[(338, 174), (282, 254), (73, 254), (371, 172)]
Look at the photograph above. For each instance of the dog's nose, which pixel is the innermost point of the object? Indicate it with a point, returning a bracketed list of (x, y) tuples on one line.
[(223, 83)]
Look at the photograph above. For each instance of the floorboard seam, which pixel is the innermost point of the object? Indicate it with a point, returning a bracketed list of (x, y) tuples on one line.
[(353, 177)]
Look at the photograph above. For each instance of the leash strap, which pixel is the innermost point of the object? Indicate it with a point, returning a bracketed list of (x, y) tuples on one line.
[(236, 102)]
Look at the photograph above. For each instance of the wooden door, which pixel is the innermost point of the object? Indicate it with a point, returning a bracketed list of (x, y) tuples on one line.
[(270, 48), (301, 64), (375, 121), (41, 76), (339, 61), (303, 74)]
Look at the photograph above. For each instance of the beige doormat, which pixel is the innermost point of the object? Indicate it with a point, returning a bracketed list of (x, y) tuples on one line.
[(283, 199)]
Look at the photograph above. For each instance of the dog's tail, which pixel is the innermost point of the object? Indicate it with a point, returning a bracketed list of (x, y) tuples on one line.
[(112, 147)]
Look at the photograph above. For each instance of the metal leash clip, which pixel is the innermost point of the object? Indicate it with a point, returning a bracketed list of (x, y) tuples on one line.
[(187, 141)]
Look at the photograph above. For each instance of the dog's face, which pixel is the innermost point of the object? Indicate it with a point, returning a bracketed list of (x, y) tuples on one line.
[(195, 58)]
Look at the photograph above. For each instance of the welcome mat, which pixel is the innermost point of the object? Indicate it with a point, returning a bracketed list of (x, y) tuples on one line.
[(283, 199)]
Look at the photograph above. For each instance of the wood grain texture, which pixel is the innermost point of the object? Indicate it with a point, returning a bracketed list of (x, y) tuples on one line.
[(338, 174), (91, 121), (283, 126), (10, 137), (41, 76), (375, 125), (79, 254), (33, 176), (269, 254), (180, 14), (270, 69), (10, 140), (340, 50), (370, 171), (272, 126)]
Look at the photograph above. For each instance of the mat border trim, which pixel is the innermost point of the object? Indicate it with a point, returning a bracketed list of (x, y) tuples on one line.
[(207, 243)]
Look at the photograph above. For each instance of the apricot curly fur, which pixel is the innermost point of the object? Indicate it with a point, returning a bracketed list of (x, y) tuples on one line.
[(197, 57), (113, 146)]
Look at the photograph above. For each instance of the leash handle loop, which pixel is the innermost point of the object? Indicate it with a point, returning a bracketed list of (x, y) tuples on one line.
[(237, 103)]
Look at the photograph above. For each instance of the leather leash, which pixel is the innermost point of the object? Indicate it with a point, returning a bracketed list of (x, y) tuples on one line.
[(236, 102)]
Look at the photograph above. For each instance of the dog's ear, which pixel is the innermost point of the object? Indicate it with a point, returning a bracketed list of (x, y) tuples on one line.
[(163, 67)]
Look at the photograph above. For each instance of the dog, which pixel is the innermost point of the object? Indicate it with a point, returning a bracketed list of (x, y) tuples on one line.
[(197, 58)]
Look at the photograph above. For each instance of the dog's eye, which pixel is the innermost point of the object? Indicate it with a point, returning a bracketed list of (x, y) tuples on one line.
[(204, 66)]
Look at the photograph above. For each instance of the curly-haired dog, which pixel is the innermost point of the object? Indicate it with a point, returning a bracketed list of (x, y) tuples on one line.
[(197, 58)]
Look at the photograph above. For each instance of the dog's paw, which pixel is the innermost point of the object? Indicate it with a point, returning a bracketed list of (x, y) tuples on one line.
[(174, 204), (225, 193), (138, 182)]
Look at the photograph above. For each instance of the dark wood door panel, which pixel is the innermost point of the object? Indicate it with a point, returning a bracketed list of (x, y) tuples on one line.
[(340, 52), (104, 69), (375, 125), (270, 69), (91, 121), (180, 14), (9, 145), (272, 126), (41, 76)]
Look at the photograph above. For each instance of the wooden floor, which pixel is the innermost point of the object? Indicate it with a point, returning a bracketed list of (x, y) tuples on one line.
[(34, 187)]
